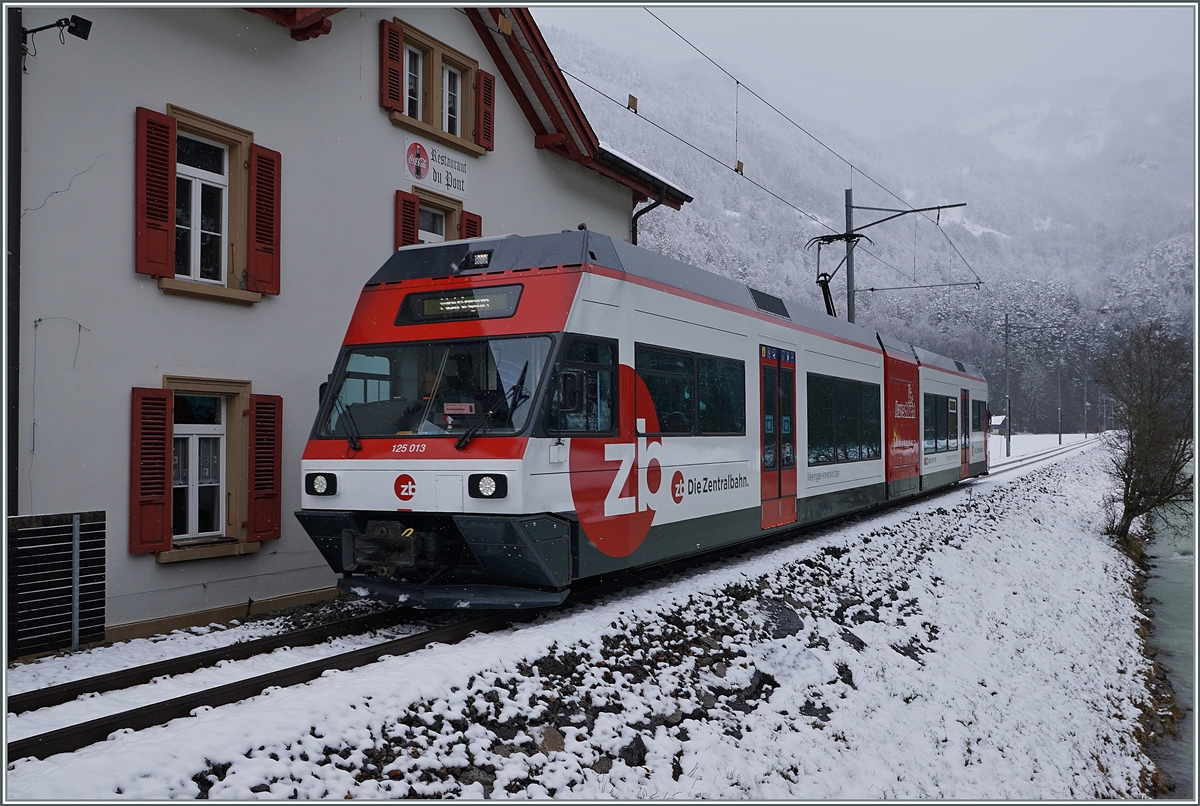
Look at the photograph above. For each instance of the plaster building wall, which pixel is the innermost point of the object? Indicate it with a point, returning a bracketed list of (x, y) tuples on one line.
[(92, 329)]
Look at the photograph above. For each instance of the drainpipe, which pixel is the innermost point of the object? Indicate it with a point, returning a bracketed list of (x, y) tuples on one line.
[(662, 194), (13, 258)]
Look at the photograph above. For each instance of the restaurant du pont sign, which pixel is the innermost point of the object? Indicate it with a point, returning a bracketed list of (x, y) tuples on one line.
[(435, 167)]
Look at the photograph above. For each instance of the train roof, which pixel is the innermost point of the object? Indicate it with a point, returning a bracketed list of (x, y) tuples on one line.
[(930, 359), (575, 247)]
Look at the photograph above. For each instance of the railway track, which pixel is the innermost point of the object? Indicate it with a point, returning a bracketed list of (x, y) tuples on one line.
[(71, 738)]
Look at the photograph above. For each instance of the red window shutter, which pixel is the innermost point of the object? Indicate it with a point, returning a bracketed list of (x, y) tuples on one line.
[(150, 471), (263, 251), (407, 207), (154, 194), (485, 110), (391, 66), (471, 226), (264, 471)]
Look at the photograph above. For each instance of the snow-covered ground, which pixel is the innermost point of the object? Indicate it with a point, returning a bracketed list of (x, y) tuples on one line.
[(980, 643)]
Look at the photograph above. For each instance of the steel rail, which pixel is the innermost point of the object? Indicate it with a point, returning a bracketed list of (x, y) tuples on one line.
[(74, 737), (125, 678)]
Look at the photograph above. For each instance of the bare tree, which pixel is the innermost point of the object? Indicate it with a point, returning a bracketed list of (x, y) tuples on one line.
[(1149, 375)]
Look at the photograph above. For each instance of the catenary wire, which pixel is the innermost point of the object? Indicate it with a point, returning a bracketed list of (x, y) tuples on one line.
[(815, 139), (699, 150)]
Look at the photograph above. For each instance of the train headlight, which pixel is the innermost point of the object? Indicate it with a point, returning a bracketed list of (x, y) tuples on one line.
[(487, 485), (320, 484)]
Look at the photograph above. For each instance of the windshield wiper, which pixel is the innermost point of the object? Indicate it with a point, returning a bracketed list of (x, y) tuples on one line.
[(519, 393), (351, 427)]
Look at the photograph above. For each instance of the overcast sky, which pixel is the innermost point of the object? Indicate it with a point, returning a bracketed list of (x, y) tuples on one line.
[(898, 66)]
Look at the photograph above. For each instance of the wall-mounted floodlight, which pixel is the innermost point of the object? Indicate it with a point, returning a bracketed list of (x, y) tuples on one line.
[(75, 26)]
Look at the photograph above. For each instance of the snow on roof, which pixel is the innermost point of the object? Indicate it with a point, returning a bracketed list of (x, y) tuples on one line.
[(612, 153)]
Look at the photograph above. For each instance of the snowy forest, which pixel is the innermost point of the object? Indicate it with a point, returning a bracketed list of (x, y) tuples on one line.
[(1078, 220)]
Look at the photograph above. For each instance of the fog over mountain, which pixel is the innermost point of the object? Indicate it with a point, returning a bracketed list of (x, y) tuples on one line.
[(1078, 220)]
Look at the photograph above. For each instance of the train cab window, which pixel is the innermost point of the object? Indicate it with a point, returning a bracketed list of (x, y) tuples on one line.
[(722, 384), (670, 380), (584, 393), (843, 420)]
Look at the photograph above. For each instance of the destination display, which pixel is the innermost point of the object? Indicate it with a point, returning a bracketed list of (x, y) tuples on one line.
[(498, 302)]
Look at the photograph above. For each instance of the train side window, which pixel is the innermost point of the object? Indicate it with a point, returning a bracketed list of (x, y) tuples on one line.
[(930, 423), (589, 369), (871, 439), (722, 384), (670, 379), (846, 421), (951, 423), (820, 420)]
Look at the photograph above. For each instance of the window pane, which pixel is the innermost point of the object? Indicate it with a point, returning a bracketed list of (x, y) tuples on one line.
[(672, 398), (414, 83), (183, 226), (179, 511), (208, 506), (210, 208), (431, 221), (848, 443), (722, 396), (768, 418), (930, 424), (210, 256), (787, 416), (450, 87), (197, 410), (941, 423), (951, 423), (871, 439), (210, 460), (438, 388), (205, 156), (658, 361), (820, 420), (590, 352), (179, 462)]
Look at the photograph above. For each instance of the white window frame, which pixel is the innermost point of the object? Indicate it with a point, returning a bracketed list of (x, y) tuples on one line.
[(409, 100), (456, 96), (193, 434), (425, 236), (199, 178)]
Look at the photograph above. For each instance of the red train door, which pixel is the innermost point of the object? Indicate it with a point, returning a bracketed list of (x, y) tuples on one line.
[(964, 418), (777, 425)]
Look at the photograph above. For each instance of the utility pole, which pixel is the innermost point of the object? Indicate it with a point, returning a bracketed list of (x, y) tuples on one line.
[(1058, 377), (1007, 400), (850, 256), (1085, 407), (850, 236)]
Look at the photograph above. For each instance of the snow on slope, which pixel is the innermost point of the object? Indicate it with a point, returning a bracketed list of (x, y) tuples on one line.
[(979, 643)]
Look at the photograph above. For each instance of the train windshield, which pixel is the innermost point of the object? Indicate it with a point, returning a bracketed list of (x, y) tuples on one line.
[(428, 389)]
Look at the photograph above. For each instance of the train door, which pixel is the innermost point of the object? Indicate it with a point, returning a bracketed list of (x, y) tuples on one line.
[(777, 426), (964, 417)]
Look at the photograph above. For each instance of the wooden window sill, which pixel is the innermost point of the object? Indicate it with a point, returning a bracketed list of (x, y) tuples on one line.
[(434, 133), (204, 552), (216, 293)]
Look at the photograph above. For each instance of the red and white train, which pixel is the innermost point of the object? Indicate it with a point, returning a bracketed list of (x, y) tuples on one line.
[(509, 415)]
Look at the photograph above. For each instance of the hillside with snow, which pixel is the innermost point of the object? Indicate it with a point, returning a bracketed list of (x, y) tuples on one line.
[(1080, 207)]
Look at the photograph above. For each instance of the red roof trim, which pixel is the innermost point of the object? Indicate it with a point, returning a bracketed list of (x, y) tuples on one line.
[(541, 90), (304, 23)]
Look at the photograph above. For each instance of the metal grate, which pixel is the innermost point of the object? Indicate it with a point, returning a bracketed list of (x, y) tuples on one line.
[(51, 605)]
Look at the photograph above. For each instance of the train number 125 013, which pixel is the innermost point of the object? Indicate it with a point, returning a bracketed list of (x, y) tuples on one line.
[(409, 447)]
